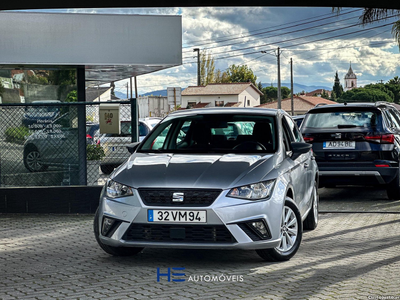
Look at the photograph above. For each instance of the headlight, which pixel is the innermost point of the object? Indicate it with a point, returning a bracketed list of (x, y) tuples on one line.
[(115, 189), (254, 191)]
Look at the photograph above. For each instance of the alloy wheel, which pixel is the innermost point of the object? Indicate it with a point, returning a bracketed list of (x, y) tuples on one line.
[(289, 230), (34, 161)]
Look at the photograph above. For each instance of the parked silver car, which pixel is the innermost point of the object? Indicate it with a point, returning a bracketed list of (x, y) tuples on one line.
[(204, 188), (114, 145), (55, 145)]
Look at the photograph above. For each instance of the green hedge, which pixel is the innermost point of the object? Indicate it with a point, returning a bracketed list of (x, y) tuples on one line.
[(17, 134)]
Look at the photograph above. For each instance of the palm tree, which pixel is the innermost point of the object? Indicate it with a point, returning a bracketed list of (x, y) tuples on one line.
[(370, 15)]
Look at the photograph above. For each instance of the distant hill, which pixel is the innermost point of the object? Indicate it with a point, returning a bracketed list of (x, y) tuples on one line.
[(297, 88), (154, 93)]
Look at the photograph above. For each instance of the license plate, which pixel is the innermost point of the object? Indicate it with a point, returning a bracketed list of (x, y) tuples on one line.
[(339, 145), (177, 216)]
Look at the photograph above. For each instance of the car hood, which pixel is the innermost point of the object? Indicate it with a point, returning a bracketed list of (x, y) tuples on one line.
[(194, 171)]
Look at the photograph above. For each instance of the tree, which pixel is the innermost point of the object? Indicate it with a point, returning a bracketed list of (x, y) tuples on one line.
[(207, 68), (371, 15), (271, 94), (394, 86), (241, 74), (365, 94), (337, 89), (221, 77)]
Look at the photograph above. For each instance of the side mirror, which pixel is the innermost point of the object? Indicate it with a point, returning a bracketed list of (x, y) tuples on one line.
[(299, 149), (132, 147)]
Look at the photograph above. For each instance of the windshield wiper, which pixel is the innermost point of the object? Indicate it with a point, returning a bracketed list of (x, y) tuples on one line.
[(347, 126)]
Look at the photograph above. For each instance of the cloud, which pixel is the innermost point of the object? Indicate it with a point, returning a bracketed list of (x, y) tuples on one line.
[(319, 42)]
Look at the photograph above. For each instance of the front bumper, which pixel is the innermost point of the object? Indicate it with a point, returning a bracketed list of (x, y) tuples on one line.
[(226, 226)]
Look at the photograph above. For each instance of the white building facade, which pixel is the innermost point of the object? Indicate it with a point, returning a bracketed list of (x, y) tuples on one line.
[(240, 94)]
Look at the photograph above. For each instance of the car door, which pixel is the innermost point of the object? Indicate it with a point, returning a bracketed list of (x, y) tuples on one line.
[(300, 172)]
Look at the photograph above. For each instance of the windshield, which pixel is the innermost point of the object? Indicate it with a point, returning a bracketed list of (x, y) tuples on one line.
[(341, 119), (224, 133)]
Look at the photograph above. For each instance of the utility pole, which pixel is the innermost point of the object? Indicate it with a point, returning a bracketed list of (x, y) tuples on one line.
[(198, 65), (291, 85), (279, 78)]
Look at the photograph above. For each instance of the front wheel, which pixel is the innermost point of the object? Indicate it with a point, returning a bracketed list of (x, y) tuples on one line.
[(290, 235), (116, 251), (33, 160)]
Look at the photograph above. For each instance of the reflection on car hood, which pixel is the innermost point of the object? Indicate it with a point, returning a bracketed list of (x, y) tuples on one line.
[(193, 171)]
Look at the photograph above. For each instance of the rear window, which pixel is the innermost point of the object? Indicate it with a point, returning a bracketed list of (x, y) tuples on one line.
[(341, 119)]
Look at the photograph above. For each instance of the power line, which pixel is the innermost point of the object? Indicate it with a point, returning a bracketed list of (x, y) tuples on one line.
[(298, 44), (271, 29), (280, 34)]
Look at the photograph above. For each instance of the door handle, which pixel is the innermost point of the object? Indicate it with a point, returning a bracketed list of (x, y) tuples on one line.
[(305, 165)]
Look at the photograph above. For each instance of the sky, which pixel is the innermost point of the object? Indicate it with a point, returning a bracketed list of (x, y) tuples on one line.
[(319, 42)]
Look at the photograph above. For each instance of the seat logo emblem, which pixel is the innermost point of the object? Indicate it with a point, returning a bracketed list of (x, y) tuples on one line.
[(337, 135), (178, 197)]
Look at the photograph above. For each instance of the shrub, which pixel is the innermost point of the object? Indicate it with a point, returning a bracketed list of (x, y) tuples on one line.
[(94, 152), (17, 134)]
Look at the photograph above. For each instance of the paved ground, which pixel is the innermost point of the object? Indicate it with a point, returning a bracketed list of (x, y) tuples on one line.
[(349, 256)]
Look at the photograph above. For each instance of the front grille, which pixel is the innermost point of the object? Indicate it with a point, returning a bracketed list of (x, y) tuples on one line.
[(191, 197), (178, 233)]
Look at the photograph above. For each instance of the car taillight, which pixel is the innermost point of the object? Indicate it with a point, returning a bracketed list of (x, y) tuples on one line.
[(308, 139), (88, 136), (381, 138)]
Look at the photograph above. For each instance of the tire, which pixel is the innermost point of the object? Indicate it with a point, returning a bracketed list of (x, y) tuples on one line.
[(290, 231), (107, 169), (115, 251), (311, 222), (393, 188), (33, 160)]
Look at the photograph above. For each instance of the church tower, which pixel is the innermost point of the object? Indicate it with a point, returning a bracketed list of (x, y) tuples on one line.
[(350, 80)]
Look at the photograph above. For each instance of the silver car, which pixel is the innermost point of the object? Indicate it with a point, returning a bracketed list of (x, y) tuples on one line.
[(205, 188), (114, 145)]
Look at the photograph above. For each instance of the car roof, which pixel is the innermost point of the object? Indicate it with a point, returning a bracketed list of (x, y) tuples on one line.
[(329, 107), (226, 110)]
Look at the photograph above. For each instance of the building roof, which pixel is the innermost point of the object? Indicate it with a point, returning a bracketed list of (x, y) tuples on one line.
[(232, 104), (219, 89), (300, 103), (318, 92), (93, 93), (350, 74), (201, 105)]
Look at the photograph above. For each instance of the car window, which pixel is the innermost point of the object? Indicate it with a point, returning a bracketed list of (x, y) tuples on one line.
[(287, 138), (143, 130), (213, 133), (389, 119), (233, 129), (293, 129), (157, 142), (336, 119), (394, 118)]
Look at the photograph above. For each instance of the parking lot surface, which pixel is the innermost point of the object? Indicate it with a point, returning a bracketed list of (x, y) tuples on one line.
[(353, 254)]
